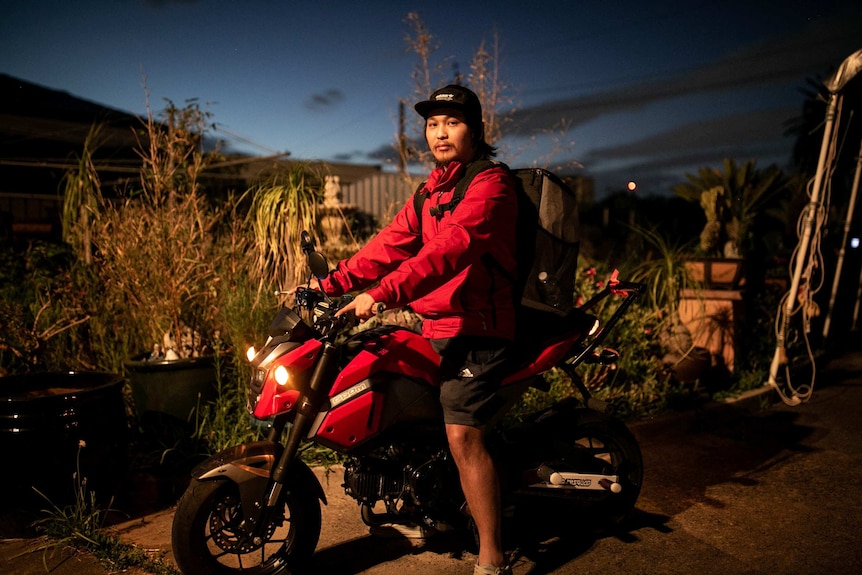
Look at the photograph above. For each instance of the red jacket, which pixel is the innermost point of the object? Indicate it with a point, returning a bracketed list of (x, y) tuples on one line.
[(443, 275)]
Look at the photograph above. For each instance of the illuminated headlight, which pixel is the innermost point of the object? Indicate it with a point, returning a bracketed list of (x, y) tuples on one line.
[(250, 353), (595, 328), (281, 375)]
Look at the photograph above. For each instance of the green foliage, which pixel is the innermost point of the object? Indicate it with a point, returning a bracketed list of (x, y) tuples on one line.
[(80, 525), (113, 332), (637, 385), (147, 256), (81, 196), (280, 210), (83, 518), (164, 264), (226, 421), (38, 306), (717, 230), (662, 268), (734, 200), (157, 263), (160, 258)]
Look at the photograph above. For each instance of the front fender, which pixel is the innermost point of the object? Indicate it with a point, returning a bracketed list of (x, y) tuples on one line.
[(249, 466)]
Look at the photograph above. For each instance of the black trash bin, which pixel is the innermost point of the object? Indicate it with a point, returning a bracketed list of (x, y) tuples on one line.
[(54, 425)]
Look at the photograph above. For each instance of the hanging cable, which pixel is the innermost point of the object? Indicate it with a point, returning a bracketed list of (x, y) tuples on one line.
[(808, 275)]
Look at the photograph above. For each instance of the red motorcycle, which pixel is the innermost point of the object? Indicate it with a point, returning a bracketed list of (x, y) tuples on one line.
[(373, 398)]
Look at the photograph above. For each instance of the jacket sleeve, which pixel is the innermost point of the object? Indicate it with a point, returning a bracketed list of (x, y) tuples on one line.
[(489, 208), (385, 252)]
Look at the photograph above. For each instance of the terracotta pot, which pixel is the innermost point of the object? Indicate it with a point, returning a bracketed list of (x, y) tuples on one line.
[(716, 273)]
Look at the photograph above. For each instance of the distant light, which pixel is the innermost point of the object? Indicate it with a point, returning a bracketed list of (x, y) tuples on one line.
[(632, 186), (854, 243)]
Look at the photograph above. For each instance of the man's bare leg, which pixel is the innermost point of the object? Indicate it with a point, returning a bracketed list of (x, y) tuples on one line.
[(481, 488)]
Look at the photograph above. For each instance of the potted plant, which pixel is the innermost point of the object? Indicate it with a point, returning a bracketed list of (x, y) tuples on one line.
[(734, 201), (664, 271), (49, 401), (152, 253)]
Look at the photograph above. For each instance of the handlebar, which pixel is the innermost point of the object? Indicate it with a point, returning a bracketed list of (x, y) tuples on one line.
[(324, 309), (308, 298)]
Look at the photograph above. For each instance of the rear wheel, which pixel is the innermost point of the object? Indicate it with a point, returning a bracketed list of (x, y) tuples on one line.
[(585, 441), (207, 538)]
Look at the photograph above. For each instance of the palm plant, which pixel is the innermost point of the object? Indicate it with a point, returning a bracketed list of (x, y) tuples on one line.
[(734, 200), (668, 279), (281, 209)]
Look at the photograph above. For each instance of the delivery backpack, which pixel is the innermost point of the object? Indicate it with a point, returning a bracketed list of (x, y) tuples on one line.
[(547, 236)]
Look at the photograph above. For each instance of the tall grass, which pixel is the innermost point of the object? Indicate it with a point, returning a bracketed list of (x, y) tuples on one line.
[(81, 525), (281, 209)]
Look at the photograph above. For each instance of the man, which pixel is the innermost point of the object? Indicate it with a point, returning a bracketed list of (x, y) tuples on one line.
[(442, 270)]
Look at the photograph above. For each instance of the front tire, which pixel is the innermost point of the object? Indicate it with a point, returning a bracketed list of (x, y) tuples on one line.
[(207, 540)]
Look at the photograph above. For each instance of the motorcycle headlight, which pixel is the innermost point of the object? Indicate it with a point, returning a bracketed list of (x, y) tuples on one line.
[(282, 376), (250, 353)]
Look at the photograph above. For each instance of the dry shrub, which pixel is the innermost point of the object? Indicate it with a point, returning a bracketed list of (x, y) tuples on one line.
[(154, 254)]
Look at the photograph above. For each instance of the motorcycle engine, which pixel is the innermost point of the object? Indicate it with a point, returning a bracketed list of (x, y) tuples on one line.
[(425, 482)]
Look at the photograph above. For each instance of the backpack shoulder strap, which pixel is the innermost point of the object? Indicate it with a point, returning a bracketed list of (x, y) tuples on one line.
[(418, 200), (473, 170)]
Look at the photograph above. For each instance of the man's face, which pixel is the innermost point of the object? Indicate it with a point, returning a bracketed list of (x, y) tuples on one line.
[(448, 136)]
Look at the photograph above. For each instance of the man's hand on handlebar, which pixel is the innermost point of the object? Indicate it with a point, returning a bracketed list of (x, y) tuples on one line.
[(363, 306)]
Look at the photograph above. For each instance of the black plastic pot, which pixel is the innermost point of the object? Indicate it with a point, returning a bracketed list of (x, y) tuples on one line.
[(57, 429), (171, 387)]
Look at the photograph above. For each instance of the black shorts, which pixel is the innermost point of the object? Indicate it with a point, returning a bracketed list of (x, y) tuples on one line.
[(470, 374)]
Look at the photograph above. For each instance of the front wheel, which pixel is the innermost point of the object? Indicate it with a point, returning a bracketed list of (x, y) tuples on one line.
[(207, 538)]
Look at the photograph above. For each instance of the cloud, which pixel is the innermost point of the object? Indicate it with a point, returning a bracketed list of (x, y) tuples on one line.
[(817, 50), (660, 161), (658, 174), (324, 100), (723, 133)]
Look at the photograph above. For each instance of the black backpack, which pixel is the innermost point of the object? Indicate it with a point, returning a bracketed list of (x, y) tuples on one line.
[(547, 234)]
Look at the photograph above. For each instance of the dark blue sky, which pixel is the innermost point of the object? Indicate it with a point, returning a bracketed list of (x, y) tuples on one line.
[(645, 90)]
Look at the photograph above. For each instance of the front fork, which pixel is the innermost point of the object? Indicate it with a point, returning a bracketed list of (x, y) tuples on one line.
[(308, 406), (262, 469)]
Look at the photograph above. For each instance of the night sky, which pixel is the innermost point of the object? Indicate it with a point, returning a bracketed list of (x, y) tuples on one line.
[(626, 90)]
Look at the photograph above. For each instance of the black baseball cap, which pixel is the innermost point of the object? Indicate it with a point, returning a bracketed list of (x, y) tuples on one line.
[(453, 96)]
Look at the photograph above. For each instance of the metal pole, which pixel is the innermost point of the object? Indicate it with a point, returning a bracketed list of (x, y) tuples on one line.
[(840, 264), (849, 68), (780, 356), (854, 325)]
